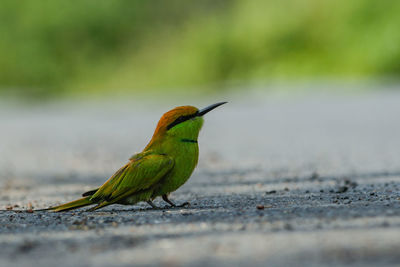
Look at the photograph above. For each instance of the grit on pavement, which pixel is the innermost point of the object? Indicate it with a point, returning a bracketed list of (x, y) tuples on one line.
[(306, 180)]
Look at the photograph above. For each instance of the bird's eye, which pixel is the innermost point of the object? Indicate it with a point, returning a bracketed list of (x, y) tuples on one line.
[(180, 119)]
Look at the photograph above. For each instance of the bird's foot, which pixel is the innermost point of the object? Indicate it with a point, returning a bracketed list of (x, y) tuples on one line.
[(185, 204)]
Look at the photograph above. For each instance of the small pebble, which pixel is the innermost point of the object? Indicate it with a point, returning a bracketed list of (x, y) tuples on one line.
[(288, 227), (342, 189)]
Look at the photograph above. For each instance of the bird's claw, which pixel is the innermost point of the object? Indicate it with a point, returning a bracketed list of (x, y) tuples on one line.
[(184, 205), (173, 205)]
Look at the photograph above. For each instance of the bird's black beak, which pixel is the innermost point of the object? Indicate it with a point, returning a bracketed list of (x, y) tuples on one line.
[(209, 108)]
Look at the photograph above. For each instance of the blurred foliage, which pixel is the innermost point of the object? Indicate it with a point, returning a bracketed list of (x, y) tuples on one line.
[(52, 47)]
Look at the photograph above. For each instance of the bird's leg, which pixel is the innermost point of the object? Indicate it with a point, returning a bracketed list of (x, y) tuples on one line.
[(153, 205), (165, 198)]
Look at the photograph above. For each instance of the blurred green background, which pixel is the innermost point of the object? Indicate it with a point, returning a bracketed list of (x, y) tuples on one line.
[(57, 48)]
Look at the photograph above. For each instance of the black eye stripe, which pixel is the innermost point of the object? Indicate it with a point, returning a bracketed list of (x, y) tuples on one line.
[(181, 119)]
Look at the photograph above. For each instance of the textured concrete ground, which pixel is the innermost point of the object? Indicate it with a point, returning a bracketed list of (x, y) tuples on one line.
[(310, 180)]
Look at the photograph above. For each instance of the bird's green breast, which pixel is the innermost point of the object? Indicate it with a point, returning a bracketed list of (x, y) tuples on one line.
[(180, 144), (185, 156)]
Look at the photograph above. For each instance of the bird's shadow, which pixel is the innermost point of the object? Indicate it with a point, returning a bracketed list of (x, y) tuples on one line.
[(139, 209)]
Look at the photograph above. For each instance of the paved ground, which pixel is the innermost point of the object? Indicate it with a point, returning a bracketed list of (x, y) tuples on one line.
[(310, 180)]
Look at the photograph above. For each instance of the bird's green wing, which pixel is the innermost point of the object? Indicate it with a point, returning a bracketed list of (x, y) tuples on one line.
[(139, 174)]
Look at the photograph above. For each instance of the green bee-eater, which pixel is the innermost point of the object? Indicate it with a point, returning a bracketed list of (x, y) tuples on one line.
[(162, 167)]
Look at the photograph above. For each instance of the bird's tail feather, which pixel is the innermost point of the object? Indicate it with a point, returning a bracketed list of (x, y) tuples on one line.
[(85, 201)]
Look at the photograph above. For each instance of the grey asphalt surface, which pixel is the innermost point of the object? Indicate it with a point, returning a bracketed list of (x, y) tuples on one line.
[(306, 180)]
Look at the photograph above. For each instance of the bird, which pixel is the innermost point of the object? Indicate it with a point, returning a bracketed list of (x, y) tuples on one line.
[(163, 166)]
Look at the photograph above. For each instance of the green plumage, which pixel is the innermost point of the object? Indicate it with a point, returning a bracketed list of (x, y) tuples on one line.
[(162, 167)]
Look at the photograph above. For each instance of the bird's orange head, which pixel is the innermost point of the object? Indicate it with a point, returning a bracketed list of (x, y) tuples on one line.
[(176, 116), (181, 122)]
